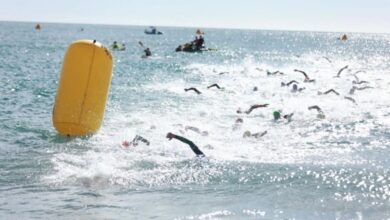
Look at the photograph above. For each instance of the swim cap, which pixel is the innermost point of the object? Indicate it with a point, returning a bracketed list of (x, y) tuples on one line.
[(276, 115), (246, 134), (239, 120), (125, 144)]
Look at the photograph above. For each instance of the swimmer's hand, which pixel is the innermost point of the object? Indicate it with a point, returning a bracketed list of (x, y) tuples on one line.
[(170, 136)]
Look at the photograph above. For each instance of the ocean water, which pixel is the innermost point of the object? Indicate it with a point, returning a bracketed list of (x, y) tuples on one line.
[(308, 168)]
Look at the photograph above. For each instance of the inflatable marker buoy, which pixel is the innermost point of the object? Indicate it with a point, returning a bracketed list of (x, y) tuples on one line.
[(83, 88)]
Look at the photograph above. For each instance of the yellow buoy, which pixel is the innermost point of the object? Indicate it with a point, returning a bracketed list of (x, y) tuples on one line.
[(83, 88)]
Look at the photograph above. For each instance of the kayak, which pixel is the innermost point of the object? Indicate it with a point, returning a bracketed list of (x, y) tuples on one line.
[(119, 47)]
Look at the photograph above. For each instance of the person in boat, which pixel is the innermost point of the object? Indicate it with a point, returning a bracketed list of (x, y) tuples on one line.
[(38, 27), (198, 43), (153, 30), (115, 45), (344, 37), (195, 45), (148, 53)]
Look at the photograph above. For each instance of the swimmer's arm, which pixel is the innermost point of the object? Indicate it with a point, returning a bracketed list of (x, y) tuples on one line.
[(304, 73), (253, 107), (291, 82), (331, 90), (193, 89), (341, 70), (193, 147), (214, 85), (315, 107), (142, 139)]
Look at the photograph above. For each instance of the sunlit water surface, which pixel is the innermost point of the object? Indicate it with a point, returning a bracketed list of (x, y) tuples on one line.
[(309, 168)]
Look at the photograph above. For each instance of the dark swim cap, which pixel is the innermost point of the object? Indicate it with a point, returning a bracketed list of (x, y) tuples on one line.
[(276, 115)]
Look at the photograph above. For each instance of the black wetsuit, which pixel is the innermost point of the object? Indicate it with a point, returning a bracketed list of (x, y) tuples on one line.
[(193, 147), (199, 43), (148, 52)]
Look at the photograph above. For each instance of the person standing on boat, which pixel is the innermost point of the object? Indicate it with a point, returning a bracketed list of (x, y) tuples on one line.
[(199, 40)]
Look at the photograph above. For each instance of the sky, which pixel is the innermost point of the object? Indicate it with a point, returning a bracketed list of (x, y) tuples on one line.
[(312, 15)]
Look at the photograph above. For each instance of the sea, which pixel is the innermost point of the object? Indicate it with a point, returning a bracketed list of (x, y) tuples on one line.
[(308, 167)]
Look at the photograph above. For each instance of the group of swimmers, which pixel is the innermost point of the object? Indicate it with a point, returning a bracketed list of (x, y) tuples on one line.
[(277, 115), (198, 44)]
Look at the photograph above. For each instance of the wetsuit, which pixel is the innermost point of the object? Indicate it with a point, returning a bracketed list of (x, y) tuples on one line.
[(148, 52), (199, 43), (139, 138), (193, 147)]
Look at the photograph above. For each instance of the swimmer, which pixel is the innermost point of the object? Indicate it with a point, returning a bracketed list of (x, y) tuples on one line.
[(296, 89), (193, 147), (255, 89), (320, 114), (193, 89), (352, 90), (341, 70), (364, 88), (274, 73), (307, 79), (135, 141), (350, 99), (255, 135), (221, 73), (238, 123), (289, 83), (360, 71), (329, 91), (357, 81), (326, 58), (214, 85), (196, 130), (278, 115), (253, 107), (288, 117)]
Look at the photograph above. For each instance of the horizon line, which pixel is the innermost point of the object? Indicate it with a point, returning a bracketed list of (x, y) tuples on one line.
[(193, 26)]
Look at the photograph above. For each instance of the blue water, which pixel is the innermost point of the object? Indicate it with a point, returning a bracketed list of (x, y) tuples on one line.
[(309, 168)]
